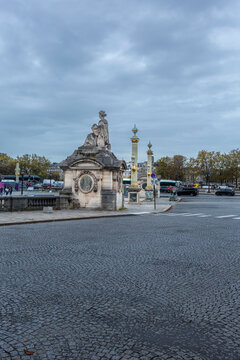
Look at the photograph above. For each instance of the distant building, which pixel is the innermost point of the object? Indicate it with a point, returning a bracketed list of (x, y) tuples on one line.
[(55, 168)]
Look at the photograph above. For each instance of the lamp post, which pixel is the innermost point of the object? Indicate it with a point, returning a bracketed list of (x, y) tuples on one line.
[(17, 173), (208, 177), (50, 175), (22, 174), (221, 169)]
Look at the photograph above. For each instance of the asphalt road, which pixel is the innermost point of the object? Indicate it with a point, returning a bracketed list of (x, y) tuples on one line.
[(163, 286)]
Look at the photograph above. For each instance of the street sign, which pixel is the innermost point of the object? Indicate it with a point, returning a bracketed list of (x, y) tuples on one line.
[(154, 181), (153, 175)]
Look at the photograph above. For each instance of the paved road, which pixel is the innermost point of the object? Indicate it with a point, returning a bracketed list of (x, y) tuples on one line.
[(146, 287)]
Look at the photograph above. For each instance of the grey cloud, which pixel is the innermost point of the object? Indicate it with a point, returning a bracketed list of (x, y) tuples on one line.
[(171, 67)]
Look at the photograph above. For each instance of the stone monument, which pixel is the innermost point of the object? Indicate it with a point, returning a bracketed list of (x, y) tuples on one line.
[(133, 191), (93, 174)]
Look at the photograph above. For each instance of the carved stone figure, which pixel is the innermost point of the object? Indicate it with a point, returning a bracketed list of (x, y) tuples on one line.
[(99, 136), (91, 139), (103, 124)]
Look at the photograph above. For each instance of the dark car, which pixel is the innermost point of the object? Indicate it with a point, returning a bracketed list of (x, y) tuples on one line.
[(167, 189), (37, 186), (58, 185), (187, 190), (225, 191)]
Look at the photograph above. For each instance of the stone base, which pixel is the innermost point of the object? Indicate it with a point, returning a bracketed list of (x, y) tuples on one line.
[(66, 191), (149, 195), (133, 197), (109, 200)]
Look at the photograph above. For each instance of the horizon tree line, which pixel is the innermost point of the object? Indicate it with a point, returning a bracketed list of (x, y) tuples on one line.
[(207, 166), (30, 164)]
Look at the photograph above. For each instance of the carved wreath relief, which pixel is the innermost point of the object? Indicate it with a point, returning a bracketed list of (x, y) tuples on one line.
[(86, 182)]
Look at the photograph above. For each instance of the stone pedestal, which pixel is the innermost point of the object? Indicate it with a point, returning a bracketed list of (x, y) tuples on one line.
[(133, 196), (149, 194), (94, 178), (93, 174)]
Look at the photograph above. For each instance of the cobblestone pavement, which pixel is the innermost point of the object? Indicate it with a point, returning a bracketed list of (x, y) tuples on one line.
[(146, 287), (28, 217)]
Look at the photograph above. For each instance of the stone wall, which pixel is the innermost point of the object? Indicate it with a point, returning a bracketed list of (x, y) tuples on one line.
[(24, 203)]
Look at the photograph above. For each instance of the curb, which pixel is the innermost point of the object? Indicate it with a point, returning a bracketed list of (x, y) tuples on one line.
[(167, 208)]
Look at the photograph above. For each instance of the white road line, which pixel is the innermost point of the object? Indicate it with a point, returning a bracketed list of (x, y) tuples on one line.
[(141, 213), (203, 216), (194, 214), (236, 218), (225, 216), (183, 214), (171, 214)]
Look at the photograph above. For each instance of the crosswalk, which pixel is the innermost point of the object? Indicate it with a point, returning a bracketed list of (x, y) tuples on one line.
[(201, 215)]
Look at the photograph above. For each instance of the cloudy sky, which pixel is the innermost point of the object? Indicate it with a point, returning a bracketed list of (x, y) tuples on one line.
[(170, 66)]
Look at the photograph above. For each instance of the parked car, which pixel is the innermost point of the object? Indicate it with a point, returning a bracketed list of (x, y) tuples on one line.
[(225, 191), (37, 186), (58, 185), (48, 184), (187, 190)]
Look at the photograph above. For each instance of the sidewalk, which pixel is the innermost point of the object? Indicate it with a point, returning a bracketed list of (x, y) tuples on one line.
[(30, 217)]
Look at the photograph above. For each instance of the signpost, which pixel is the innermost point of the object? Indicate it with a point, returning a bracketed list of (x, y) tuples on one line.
[(154, 182)]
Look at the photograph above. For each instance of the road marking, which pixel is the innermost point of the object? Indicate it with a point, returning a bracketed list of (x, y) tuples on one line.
[(176, 214), (141, 213), (183, 214), (171, 214), (194, 214), (225, 216), (201, 215)]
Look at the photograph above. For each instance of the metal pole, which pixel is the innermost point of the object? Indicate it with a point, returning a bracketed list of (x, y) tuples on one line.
[(154, 194), (22, 184)]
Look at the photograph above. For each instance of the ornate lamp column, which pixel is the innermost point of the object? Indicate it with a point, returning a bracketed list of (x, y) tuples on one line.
[(149, 187), (133, 192)]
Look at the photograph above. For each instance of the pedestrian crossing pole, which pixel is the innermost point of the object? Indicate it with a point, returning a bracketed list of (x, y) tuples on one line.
[(154, 195)]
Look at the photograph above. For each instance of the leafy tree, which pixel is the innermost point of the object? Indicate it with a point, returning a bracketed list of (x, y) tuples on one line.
[(205, 163), (179, 162), (232, 161), (164, 167), (7, 164), (171, 168), (191, 170), (34, 164)]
